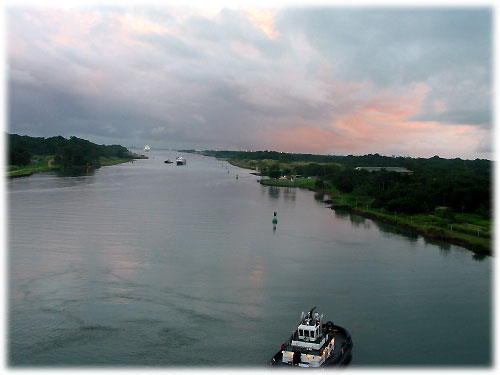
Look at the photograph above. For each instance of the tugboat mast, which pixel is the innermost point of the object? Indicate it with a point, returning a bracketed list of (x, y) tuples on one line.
[(311, 312)]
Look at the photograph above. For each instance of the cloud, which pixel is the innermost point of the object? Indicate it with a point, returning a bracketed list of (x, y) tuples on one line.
[(384, 123), (395, 45), (262, 19), (399, 81), (137, 24)]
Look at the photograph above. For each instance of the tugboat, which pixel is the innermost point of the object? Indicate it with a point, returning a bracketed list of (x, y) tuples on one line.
[(315, 344)]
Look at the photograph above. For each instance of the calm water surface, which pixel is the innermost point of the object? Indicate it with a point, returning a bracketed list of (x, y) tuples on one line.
[(161, 265)]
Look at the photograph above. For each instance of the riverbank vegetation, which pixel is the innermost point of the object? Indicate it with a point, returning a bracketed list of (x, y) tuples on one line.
[(445, 199), (28, 155), (36, 164)]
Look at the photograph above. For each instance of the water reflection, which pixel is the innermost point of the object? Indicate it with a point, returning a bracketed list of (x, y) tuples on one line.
[(274, 192), (387, 228), (360, 221), (479, 257), (444, 247), (76, 172), (289, 193), (319, 196), (341, 214), (47, 181), (412, 237)]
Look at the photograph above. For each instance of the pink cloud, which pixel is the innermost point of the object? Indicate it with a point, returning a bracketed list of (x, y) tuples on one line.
[(439, 105), (381, 124), (262, 19), (71, 29), (140, 25), (309, 138)]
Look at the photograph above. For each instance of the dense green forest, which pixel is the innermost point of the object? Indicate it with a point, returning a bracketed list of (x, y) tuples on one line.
[(66, 153), (463, 186)]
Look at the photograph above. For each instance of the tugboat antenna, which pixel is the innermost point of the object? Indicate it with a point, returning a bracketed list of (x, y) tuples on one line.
[(311, 312)]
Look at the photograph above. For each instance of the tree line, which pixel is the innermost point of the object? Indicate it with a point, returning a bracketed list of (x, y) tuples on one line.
[(462, 186), (68, 153)]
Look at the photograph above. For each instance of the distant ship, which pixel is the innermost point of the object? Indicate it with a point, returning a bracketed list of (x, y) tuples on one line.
[(180, 160), (147, 148)]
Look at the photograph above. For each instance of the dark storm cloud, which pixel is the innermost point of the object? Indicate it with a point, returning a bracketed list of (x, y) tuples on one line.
[(81, 115)]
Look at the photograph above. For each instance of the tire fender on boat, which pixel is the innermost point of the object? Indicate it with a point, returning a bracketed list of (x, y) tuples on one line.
[(329, 326)]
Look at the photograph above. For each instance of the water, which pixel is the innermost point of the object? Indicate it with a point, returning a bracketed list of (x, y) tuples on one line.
[(154, 264)]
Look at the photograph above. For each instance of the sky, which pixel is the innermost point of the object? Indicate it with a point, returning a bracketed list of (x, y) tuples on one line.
[(322, 79)]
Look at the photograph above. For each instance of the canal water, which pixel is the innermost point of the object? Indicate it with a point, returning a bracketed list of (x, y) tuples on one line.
[(158, 265)]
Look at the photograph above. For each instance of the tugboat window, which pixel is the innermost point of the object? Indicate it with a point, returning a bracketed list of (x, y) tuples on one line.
[(306, 333), (301, 332), (312, 334)]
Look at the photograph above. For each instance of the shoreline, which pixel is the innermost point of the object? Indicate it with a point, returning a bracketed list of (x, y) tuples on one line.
[(26, 172), (429, 232)]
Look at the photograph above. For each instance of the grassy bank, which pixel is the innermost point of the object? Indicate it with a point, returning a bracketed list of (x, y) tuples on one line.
[(466, 230), (107, 161), (38, 164), (266, 163), (46, 164), (243, 163), (305, 183)]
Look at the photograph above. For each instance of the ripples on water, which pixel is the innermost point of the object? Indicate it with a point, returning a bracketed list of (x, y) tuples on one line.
[(159, 265)]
